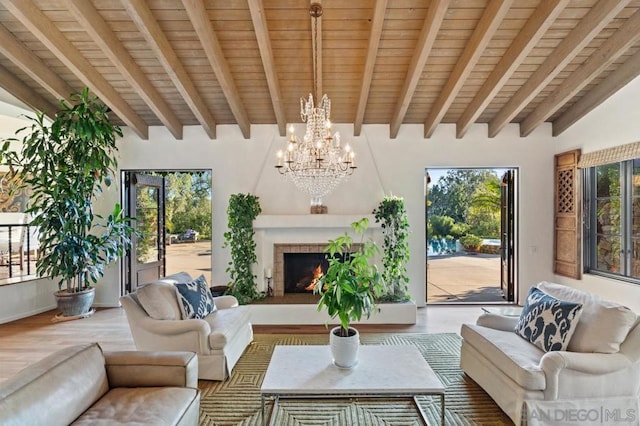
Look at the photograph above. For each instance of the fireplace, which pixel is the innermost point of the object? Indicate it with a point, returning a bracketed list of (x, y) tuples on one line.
[(302, 271), (295, 266), (313, 253)]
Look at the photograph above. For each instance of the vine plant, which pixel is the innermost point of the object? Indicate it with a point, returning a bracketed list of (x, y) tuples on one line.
[(392, 216), (242, 210)]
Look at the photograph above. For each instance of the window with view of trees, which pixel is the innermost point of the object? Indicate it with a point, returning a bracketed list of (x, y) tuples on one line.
[(612, 225)]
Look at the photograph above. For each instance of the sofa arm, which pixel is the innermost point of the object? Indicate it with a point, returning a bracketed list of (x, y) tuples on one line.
[(174, 327), (553, 363), (226, 302), (130, 369), (497, 322)]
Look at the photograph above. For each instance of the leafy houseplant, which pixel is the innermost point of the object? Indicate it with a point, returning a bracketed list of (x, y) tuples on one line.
[(392, 216), (471, 242), (349, 287), (242, 211), (65, 166)]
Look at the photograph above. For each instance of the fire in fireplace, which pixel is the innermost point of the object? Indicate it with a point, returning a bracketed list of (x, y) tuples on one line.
[(302, 271)]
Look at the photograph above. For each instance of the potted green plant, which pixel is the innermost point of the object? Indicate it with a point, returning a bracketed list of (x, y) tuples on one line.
[(348, 290), (65, 165)]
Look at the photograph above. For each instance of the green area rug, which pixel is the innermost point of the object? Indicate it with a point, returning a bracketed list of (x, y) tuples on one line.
[(237, 401)]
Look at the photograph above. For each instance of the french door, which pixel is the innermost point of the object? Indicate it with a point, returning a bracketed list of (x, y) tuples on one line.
[(145, 261), (507, 233)]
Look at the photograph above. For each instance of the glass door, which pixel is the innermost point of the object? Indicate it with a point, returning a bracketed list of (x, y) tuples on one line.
[(145, 202)]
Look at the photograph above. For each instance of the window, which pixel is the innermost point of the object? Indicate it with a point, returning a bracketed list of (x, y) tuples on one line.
[(612, 220)]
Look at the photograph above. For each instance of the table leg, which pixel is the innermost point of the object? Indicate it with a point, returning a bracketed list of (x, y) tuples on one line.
[(423, 415), (273, 410)]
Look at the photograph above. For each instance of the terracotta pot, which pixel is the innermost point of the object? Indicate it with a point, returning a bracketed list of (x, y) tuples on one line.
[(344, 349), (72, 304)]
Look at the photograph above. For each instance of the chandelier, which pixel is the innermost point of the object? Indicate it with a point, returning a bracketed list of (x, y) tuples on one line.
[(319, 162)]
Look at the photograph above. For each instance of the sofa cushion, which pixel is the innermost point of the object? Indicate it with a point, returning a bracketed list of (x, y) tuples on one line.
[(127, 406), (195, 298), (56, 389), (603, 325), (514, 356), (548, 322), (225, 324), (159, 300)]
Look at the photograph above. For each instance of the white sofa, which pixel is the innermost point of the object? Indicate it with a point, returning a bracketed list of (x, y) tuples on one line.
[(602, 360), (156, 325)]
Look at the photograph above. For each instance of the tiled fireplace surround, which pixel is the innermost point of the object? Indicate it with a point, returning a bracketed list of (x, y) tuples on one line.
[(279, 234), (279, 250)]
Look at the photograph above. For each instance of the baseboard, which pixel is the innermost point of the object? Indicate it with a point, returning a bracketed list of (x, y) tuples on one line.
[(27, 314)]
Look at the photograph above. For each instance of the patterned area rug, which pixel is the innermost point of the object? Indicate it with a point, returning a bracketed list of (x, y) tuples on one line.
[(237, 401)]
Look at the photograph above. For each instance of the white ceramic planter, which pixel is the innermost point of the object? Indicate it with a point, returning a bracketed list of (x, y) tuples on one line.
[(344, 349)]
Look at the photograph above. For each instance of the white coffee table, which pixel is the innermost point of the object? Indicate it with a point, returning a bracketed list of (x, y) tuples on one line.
[(382, 372)]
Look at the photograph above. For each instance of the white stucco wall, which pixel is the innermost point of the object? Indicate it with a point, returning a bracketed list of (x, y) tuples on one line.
[(615, 122), (385, 166)]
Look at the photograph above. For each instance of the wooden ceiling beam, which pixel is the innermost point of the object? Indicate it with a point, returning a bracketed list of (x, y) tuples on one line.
[(598, 17), (32, 65), (148, 25), (367, 74), (256, 8), (474, 48), (104, 37), (22, 92), (430, 27), (533, 30), (200, 20), (46, 31), (614, 82), (605, 55)]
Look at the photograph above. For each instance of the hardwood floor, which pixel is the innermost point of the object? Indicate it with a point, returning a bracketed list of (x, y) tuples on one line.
[(26, 341)]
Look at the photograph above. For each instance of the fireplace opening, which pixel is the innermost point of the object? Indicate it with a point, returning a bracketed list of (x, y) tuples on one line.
[(302, 271)]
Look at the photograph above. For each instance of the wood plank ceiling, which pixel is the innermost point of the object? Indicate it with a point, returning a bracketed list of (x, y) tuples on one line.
[(209, 62)]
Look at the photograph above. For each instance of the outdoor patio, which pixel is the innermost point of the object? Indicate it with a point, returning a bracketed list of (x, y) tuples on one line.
[(464, 278)]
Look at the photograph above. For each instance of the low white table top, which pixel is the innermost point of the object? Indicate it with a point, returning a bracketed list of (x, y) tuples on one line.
[(383, 370)]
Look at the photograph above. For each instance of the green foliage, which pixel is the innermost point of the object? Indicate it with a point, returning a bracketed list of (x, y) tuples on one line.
[(392, 216), (441, 226), (242, 210), (458, 230), (471, 242), (351, 284), (451, 195), (188, 202), (65, 165), (484, 211)]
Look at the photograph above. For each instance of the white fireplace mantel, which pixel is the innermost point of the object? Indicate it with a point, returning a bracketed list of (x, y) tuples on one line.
[(309, 229), (302, 221)]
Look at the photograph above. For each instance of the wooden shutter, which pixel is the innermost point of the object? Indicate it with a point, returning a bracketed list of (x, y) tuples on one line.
[(567, 236)]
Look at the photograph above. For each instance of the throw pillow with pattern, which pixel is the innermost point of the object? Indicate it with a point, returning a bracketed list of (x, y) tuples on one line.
[(195, 298), (548, 322)]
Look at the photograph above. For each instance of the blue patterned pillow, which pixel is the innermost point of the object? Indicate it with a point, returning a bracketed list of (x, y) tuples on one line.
[(548, 322), (195, 298)]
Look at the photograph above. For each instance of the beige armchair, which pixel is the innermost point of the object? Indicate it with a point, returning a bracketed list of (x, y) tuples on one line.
[(219, 339), (602, 360)]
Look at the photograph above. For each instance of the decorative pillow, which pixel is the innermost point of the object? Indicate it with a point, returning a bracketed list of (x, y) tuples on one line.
[(603, 325), (548, 322), (159, 300), (195, 298)]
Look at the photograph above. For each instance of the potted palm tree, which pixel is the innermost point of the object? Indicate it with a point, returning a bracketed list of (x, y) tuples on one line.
[(348, 290), (65, 165)]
